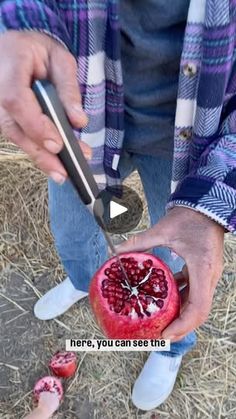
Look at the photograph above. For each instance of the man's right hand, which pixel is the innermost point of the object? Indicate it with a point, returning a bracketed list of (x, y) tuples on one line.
[(26, 56)]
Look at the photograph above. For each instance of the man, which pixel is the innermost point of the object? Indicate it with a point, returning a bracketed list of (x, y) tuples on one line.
[(203, 205)]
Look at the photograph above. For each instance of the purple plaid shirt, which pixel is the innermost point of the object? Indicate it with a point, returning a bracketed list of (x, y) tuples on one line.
[(204, 167)]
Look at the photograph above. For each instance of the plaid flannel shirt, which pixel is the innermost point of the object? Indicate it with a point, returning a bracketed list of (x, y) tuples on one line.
[(204, 166)]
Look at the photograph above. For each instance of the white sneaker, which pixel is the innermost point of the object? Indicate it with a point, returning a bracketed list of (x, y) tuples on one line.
[(58, 300), (156, 381)]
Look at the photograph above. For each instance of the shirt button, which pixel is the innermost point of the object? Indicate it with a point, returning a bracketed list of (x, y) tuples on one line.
[(190, 69), (185, 134)]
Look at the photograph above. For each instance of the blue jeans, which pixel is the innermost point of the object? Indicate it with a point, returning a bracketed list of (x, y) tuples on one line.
[(79, 240)]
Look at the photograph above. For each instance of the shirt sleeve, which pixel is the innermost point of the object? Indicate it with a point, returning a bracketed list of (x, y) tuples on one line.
[(43, 16), (210, 186)]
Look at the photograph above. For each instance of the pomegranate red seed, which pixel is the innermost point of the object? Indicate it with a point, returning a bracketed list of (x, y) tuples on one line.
[(114, 265), (147, 264), (140, 298), (160, 303)]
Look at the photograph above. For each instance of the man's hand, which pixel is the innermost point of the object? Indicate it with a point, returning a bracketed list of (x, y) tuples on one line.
[(26, 56), (199, 241)]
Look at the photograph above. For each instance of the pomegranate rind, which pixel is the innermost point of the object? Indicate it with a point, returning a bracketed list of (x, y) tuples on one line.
[(117, 326), (63, 370), (51, 381)]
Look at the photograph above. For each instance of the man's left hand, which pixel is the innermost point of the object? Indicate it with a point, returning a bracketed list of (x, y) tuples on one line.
[(199, 241)]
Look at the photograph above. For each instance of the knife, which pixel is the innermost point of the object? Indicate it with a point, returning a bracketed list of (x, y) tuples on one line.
[(73, 159)]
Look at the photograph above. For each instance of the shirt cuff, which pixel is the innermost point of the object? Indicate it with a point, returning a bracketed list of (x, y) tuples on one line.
[(212, 198)]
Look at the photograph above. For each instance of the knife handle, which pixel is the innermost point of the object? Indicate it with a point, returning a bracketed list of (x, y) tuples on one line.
[(71, 155)]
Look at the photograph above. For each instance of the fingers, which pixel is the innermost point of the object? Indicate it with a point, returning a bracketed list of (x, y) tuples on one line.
[(197, 307), (26, 112), (47, 59), (143, 241), (46, 161), (63, 74), (87, 151)]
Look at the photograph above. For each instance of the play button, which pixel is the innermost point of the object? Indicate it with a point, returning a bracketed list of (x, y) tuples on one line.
[(116, 209), (122, 210)]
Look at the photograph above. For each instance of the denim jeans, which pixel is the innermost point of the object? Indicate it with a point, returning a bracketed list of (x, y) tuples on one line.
[(79, 240)]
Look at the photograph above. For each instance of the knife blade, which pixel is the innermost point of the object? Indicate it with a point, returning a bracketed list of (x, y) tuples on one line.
[(73, 159)]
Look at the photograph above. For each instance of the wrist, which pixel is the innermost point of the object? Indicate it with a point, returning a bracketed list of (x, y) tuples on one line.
[(193, 215)]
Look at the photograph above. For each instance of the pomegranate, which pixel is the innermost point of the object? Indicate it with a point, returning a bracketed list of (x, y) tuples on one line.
[(139, 309), (50, 384), (63, 364)]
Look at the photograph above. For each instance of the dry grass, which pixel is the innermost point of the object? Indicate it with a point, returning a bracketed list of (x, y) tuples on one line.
[(101, 388)]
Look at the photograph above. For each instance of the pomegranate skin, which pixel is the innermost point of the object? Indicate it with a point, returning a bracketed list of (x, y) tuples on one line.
[(118, 326), (63, 364)]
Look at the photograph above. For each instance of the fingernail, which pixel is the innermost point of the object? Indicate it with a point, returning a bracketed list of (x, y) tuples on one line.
[(57, 177), (78, 109), (80, 113), (52, 146), (88, 154)]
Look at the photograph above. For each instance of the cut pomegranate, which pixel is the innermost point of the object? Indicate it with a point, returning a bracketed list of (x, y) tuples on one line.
[(140, 309), (50, 384), (63, 364)]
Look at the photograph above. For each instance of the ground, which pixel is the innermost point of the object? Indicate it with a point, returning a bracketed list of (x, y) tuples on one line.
[(102, 386)]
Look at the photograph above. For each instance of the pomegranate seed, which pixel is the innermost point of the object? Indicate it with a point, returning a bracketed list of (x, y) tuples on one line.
[(136, 283), (160, 272), (105, 283), (156, 294), (154, 277), (149, 300), (143, 273), (160, 303), (164, 294), (114, 265), (111, 300), (107, 271), (105, 293), (147, 264), (138, 310)]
